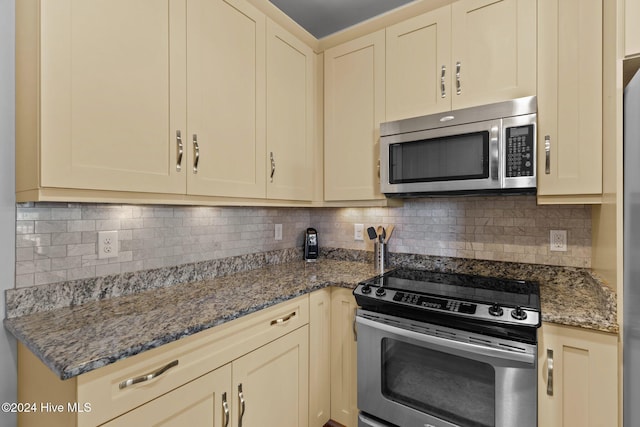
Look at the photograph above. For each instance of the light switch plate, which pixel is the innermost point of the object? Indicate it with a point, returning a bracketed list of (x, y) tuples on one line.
[(358, 232), (278, 232)]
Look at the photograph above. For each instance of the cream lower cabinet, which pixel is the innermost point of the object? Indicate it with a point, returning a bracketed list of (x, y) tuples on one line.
[(320, 357), (570, 101), (353, 110), (344, 381), (470, 53), (261, 359), (578, 377)]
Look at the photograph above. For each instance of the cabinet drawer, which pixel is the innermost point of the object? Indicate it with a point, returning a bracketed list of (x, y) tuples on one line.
[(195, 355)]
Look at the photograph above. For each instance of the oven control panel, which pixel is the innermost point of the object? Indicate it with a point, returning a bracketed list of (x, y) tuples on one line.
[(437, 303), (381, 296)]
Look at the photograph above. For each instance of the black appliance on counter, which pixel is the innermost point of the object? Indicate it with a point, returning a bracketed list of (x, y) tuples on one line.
[(447, 350), (311, 245)]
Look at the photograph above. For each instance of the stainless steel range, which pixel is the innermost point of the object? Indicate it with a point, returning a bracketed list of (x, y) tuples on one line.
[(445, 350)]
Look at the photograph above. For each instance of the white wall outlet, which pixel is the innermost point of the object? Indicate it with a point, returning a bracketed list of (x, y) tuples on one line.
[(558, 239), (107, 244), (358, 232), (278, 232)]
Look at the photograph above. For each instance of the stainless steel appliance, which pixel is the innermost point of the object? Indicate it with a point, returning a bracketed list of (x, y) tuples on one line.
[(631, 308), (486, 149), (445, 350), (311, 244)]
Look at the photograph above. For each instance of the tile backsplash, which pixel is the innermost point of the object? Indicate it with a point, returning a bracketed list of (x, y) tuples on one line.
[(57, 242)]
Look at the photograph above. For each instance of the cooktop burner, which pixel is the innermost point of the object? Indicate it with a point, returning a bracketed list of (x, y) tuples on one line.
[(489, 302)]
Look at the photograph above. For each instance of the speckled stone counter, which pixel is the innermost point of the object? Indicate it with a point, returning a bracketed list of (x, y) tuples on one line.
[(78, 338)]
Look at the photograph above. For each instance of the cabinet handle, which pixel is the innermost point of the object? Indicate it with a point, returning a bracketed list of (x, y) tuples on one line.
[(149, 376), (547, 154), (443, 92), (458, 84), (550, 372), (284, 319), (196, 153), (355, 327), (241, 397), (225, 408), (273, 166), (180, 148)]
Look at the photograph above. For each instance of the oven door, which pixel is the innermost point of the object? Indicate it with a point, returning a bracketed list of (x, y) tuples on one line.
[(417, 374)]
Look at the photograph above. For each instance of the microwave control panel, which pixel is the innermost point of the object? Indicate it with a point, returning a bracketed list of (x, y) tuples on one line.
[(519, 151)]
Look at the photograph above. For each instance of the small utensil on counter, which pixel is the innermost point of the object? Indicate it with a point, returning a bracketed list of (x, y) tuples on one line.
[(388, 233), (372, 233), (380, 230)]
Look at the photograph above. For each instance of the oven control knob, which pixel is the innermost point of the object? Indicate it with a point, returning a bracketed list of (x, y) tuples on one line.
[(519, 313), (496, 310), (381, 292), (366, 289)]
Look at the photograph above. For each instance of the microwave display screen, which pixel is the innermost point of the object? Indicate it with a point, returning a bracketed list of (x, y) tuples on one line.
[(459, 157)]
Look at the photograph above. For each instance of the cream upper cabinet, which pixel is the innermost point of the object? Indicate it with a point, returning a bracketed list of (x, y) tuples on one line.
[(577, 377), (353, 110), (100, 94), (204, 402), (289, 116), (632, 27), (470, 53), (225, 141), (493, 51), (344, 380), (570, 99), (419, 65)]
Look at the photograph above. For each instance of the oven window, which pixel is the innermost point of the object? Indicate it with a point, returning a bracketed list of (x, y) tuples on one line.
[(458, 157), (452, 388)]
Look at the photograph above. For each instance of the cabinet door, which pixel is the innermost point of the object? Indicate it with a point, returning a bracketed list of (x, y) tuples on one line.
[(225, 92), (289, 116), (111, 91), (274, 383), (419, 65), (583, 366), (344, 381), (493, 50), (199, 403), (632, 27), (354, 108), (320, 357), (570, 97)]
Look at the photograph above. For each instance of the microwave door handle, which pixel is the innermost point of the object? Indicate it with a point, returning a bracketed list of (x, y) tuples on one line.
[(480, 352), (494, 148)]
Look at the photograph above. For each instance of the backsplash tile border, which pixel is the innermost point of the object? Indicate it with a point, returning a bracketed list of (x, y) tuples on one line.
[(34, 299)]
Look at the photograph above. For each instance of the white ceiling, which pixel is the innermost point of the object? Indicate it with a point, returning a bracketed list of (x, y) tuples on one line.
[(324, 17)]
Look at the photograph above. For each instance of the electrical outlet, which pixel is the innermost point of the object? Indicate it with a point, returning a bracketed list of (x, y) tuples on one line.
[(278, 232), (107, 244), (558, 239), (358, 232)]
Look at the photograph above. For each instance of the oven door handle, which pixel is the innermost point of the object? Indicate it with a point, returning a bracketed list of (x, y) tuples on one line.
[(482, 353)]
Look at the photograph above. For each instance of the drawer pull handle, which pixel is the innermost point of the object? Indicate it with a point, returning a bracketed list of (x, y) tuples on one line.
[(284, 319), (550, 372), (225, 408), (241, 397), (149, 376)]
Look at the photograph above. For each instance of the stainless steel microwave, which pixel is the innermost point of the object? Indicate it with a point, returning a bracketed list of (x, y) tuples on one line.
[(486, 149)]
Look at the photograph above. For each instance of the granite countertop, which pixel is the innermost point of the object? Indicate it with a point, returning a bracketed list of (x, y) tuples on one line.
[(80, 338)]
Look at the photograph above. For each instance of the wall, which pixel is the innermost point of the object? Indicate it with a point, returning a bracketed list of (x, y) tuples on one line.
[(8, 364), (57, 241)]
